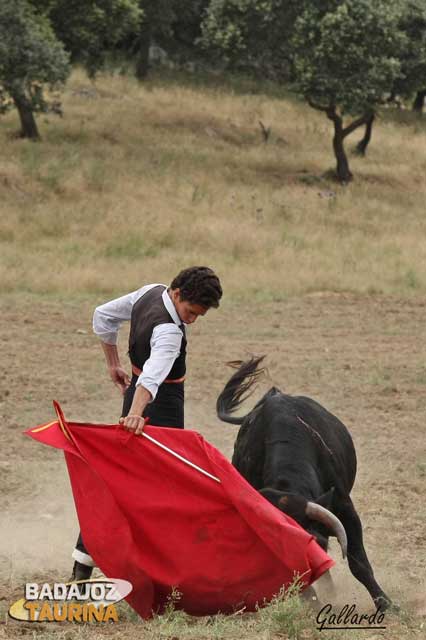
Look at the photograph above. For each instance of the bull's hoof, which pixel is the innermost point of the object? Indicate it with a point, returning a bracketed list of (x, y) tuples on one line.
[(383, 603)]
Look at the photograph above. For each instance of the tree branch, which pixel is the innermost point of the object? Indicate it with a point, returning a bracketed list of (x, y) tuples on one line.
[(266, 131), (317, 106), (357, 123)]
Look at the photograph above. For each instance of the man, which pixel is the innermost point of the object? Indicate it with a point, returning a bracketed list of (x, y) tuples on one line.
[(157, 349)]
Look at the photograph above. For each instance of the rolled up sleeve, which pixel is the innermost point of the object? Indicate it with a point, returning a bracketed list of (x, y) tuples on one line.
[(108, 317), (166, 342)]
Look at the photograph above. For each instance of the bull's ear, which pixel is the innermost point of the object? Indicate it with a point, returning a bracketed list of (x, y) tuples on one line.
[(326, 500)]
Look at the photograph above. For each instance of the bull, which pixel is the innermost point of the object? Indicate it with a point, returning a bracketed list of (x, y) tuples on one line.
[(302, 459)]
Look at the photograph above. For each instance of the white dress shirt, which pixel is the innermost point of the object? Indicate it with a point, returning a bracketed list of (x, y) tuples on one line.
[(165, 340)]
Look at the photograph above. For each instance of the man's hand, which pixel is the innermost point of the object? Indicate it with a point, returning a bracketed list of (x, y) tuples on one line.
[(116, 371), (119, 378), (133, 423), (134, 420)]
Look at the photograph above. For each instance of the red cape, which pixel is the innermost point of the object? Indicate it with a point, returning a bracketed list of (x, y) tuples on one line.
[(152, 519)]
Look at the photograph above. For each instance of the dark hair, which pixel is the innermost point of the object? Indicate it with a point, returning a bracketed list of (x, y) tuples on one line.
[(199, 285)]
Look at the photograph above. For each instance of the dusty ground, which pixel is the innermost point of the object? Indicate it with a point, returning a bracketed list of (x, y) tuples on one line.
[(362, 357)]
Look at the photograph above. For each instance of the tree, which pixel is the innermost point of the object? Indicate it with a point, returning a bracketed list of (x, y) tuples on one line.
[(156, 20), (91, 29), (346, 58), (412, 78), (186, 26), (413, 57), (253, 36), (362, 145), (174, 25), (343, 56), (31, 60), (419, 100)]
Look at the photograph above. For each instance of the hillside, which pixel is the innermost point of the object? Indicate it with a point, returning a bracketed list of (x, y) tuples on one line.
[(138, 180)]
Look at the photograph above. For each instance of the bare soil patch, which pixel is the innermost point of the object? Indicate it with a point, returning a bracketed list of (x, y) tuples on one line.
[(362, 357)]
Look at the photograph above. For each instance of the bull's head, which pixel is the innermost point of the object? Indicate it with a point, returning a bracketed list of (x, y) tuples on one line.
[(305, 512)]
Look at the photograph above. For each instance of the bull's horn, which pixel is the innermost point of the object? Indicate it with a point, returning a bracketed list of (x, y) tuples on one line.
[(317, 512)]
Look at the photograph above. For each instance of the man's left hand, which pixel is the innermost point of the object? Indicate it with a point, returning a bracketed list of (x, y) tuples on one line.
[(133, 423)]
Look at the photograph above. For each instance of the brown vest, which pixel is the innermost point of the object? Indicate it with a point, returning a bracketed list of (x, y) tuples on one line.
[(148, 312)]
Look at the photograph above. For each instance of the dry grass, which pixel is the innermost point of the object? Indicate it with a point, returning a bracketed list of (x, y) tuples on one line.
[(138, 181)]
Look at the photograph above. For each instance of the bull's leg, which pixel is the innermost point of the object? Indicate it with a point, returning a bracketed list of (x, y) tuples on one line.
[(357, 557)]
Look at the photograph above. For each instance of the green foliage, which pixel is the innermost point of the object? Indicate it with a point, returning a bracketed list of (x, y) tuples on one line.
[(347, 54), (31, 58), (252, 34), (177, 28), (174, 25), (413, 55), (91, 29), (159, 14), (187, 23)]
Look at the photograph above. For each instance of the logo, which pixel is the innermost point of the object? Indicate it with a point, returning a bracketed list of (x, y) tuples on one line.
[(82, 601), (348, 618)]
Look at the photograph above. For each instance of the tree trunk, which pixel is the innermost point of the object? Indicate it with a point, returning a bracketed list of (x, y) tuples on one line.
[(142, 56), (363, 144), (392, 96), (28, 124), (419, 101), (344, 174)]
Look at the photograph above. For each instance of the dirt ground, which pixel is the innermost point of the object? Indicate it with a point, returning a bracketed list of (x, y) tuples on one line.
[(361, 357)]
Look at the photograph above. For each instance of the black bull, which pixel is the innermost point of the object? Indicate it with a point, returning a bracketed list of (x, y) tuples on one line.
[(302, 459)]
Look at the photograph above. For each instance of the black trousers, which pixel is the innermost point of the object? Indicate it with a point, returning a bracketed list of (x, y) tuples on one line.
[(167, 410)]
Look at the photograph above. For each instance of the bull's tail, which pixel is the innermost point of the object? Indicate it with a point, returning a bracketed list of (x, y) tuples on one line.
[(238, 388)]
